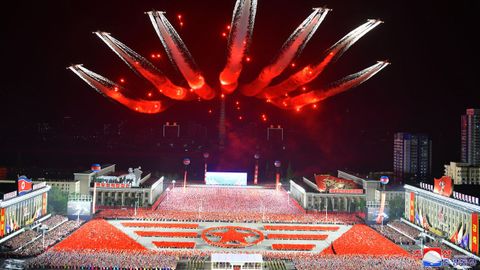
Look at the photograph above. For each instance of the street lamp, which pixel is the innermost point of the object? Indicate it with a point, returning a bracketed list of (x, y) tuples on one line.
[(277, 164), (205, 156), (255, 174), (43, 228), (186, 162)]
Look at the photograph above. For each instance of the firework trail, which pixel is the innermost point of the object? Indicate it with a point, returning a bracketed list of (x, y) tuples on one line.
[(311, 72), (239, 39), (144, 68), (335, 88), (179, 55), (290, 49), (114, 91)]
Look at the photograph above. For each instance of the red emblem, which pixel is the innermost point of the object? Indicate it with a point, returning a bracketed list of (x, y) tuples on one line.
[(232, 236)]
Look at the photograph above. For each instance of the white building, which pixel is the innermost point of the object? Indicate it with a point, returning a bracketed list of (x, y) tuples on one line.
[(463, 173)]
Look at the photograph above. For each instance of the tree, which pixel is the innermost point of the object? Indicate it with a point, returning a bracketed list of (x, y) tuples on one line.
[(362, 205), (397, 207), (57, 201), (290, 173)]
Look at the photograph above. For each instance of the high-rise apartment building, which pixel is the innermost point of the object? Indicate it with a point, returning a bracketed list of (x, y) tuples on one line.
[(470, 137), (412, 156)]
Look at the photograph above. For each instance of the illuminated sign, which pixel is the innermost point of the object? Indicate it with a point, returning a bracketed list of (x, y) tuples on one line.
[(9, 195), (412, 207), (39, 185), (474, 233), (113, 185), (443, 186), (346, 191), (226, 178)]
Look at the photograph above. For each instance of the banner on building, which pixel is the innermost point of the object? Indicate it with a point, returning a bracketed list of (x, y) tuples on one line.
[(44, 203), (443, 186), (474, 233), (412, 207), (346, 191), (24, 185), (2, 222)]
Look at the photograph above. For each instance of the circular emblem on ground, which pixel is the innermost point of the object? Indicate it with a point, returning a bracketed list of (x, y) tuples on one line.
[(232, 236)]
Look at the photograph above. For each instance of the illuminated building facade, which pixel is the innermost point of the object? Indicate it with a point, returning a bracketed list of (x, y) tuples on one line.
[(412, 156), (470, 137)]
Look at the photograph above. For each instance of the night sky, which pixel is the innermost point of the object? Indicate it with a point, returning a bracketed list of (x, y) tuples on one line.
[(429, 84)]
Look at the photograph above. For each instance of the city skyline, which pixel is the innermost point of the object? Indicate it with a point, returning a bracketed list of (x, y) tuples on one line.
[(426, 47)]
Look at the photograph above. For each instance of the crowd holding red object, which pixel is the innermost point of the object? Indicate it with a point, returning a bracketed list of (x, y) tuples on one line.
[(363, 240), (303, 247), (247, 216), (166, 234), (212, 199), (297, 236), (165, 244), (161, 225), (299, 228), (98, 235)]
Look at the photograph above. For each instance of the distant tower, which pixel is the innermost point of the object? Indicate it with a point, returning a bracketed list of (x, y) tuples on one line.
[(221, 124), (412, 156), (470, 136)]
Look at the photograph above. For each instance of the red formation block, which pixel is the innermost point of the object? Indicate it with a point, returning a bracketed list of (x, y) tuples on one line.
[(299, 228), (303, 247), (99, 235), (161, 225), (297, 236), (163, 244), (166, 234), (362, 240)]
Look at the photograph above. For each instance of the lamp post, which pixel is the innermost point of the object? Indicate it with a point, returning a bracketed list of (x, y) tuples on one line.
[(186, 162), (44, 228), (277, 164), (205, 156), (173, 183), (255, 174)]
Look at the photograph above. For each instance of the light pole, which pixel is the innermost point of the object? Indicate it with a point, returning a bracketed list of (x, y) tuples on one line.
[(205, 156), (255, 174), (186, 162), (173, 183), (326, 207), (44, 228), (277, 164), (136, 205)]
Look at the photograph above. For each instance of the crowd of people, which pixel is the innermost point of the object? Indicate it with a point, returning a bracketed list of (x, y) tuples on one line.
[(27, 236), (20, 240), (98, 235), (356, 262), (103, 260), (232, 200), (393, 235), (51, 237), (248, 216), (54, 221), (405, 228), (361, 239)]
